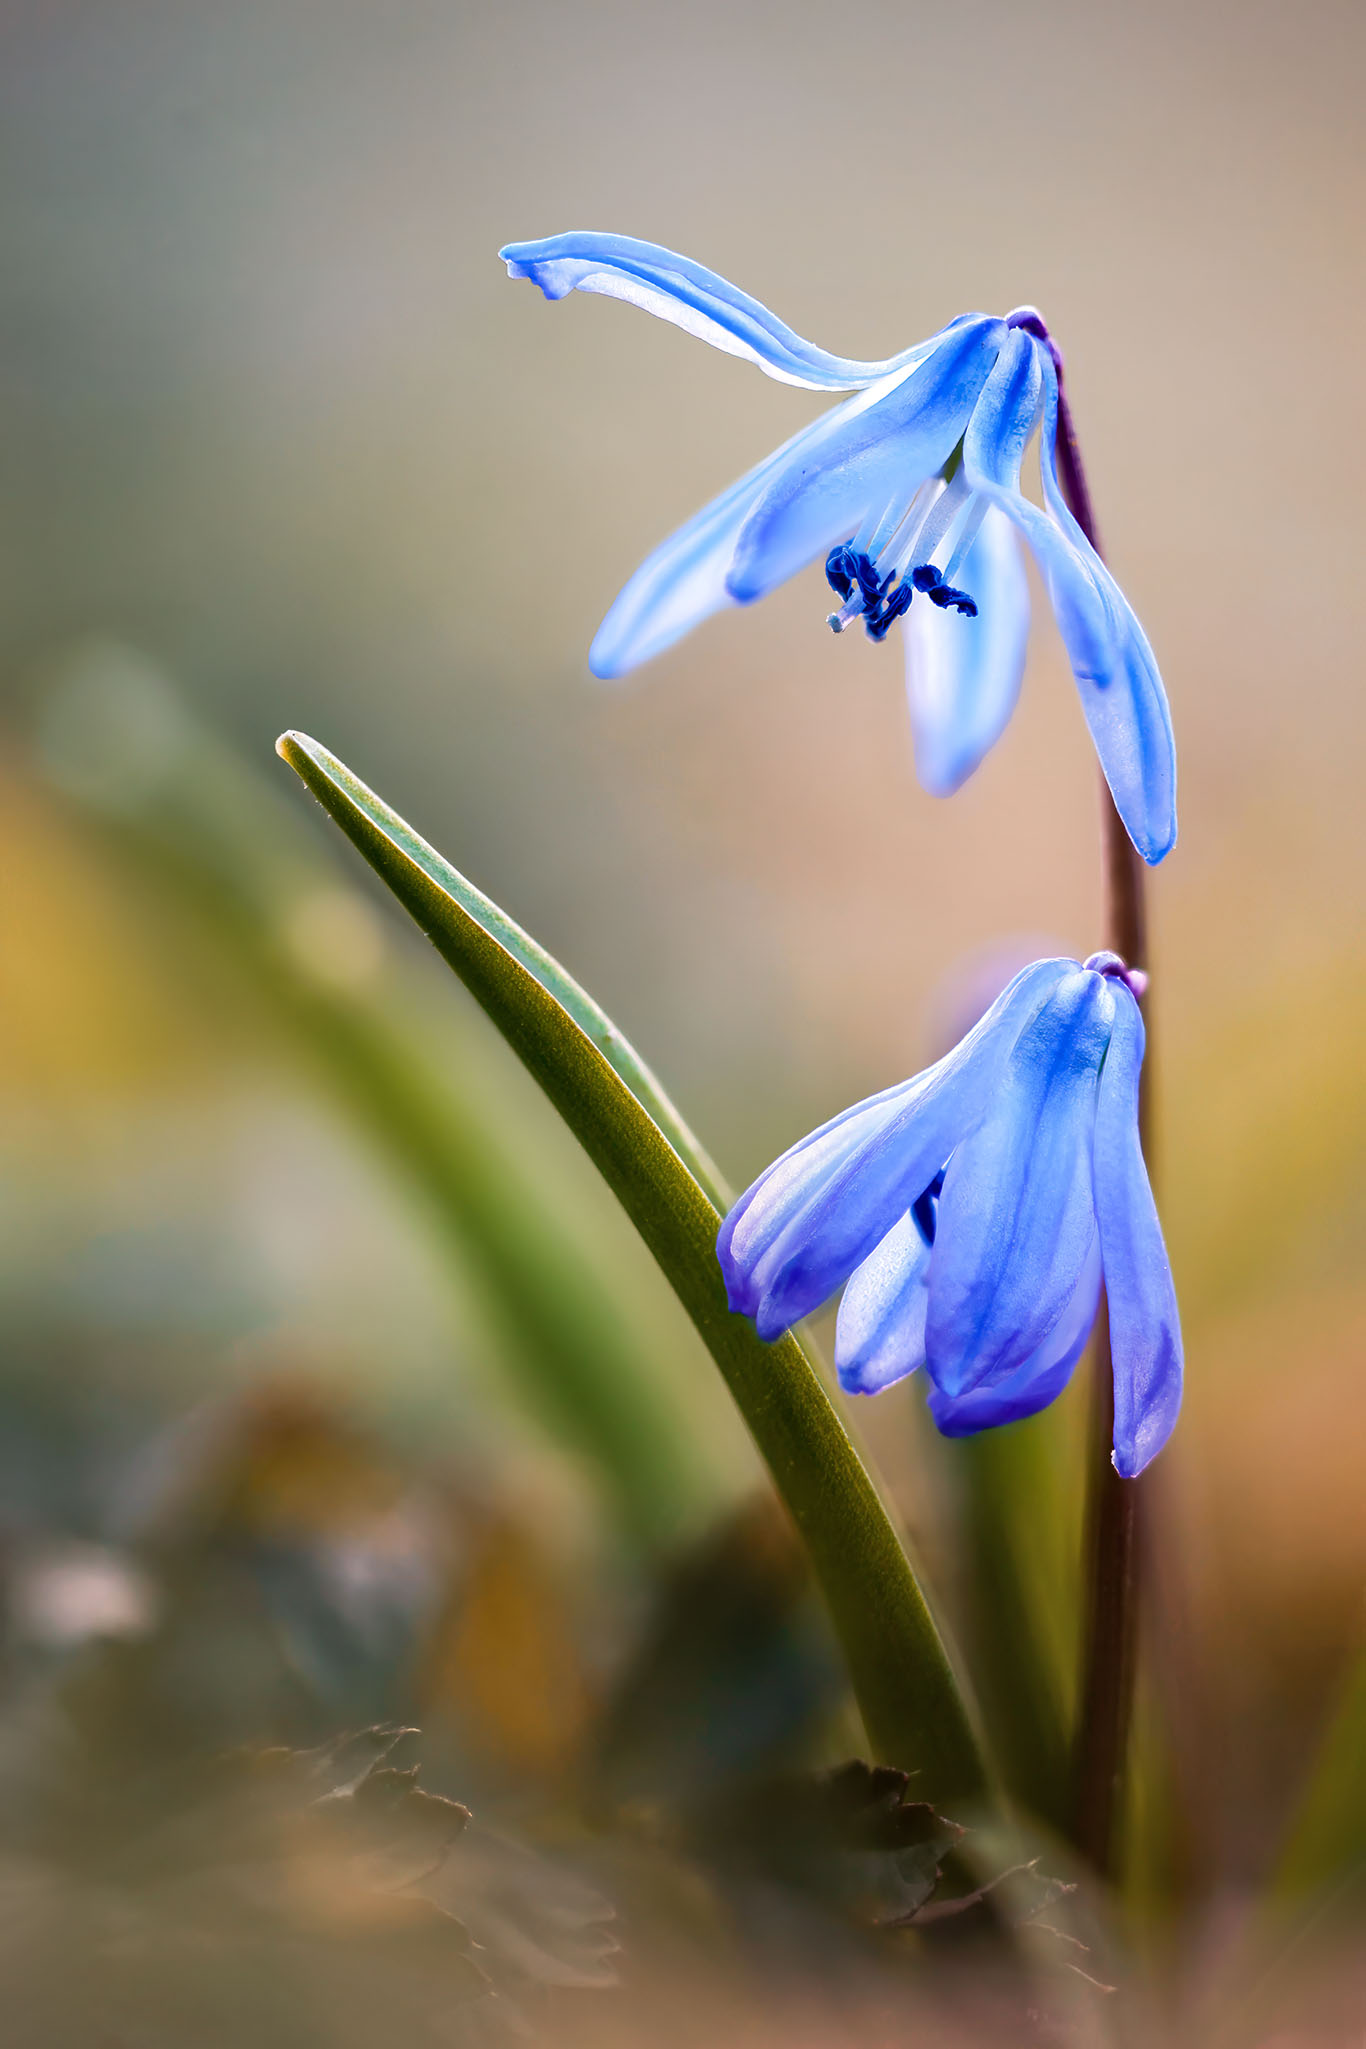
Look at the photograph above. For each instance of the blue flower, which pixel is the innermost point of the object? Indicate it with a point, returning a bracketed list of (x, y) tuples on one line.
[(910, 494), (975, 1212)]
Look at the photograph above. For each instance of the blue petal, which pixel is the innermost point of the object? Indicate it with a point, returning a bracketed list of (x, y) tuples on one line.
[(774, 1214), (696, 299), (883, 444), (689, 576), (1016, 1216), (1121, 690), (880, 1332), (684, 580), (963, 675), (797, 1234), (1145, 1325), (1039, 1381)]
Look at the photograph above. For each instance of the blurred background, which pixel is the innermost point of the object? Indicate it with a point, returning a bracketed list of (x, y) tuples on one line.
[(296, 1430)]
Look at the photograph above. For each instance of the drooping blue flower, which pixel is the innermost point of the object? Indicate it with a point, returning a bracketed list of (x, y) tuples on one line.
[(975, 1212), (909, 492)]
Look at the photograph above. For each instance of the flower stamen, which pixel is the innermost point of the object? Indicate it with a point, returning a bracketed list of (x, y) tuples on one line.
[(926, 537), (928, 579), (864, 572), (852, 575), (892, 609)]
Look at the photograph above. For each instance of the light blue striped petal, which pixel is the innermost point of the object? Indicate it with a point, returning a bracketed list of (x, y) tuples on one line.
[(880, 1331), (774, 1216), (799, 1231), (963, 675), (684, 581), (1042, 1377), (1116, 675), (863, 456), (851, 1209), (1016, 1216), (1145, 1324), (678, 290)]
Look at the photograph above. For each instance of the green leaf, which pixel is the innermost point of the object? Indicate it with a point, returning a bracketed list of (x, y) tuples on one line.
[(907, 1692)]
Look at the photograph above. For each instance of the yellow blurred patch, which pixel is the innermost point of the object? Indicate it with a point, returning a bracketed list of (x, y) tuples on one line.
[(1264, 1135), (77, 1008), (502, 1657)]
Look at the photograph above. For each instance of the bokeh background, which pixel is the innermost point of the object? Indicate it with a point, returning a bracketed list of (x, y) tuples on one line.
[(283, 447)]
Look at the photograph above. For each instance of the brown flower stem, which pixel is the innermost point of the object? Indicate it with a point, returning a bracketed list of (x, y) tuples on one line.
[(1114, 1551)]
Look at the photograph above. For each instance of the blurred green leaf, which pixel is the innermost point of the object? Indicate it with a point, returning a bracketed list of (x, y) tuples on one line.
[(907, 1692), (853, 1837), (116, 738), (1008, 1483), (277, 1896), (1317, 1891), (733, 1673), (1326, 1846)]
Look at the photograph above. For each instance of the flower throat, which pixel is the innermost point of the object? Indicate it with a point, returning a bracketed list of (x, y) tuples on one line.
[(872, 573)]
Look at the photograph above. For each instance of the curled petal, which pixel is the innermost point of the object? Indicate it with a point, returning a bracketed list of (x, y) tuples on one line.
[(779, 1212), (1016, 1216), (963, 674), (678, 290), (885, 443), (880, 1331), (1042, 1377), (1116, 675), (1145, 1325), (797, 1234)]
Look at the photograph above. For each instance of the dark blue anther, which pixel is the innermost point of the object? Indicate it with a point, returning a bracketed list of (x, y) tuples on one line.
[(925, 1208), (944, 595), (928, 579), (883, 599), (872, 587), (839, 569), (846, 566), (877, 626)]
